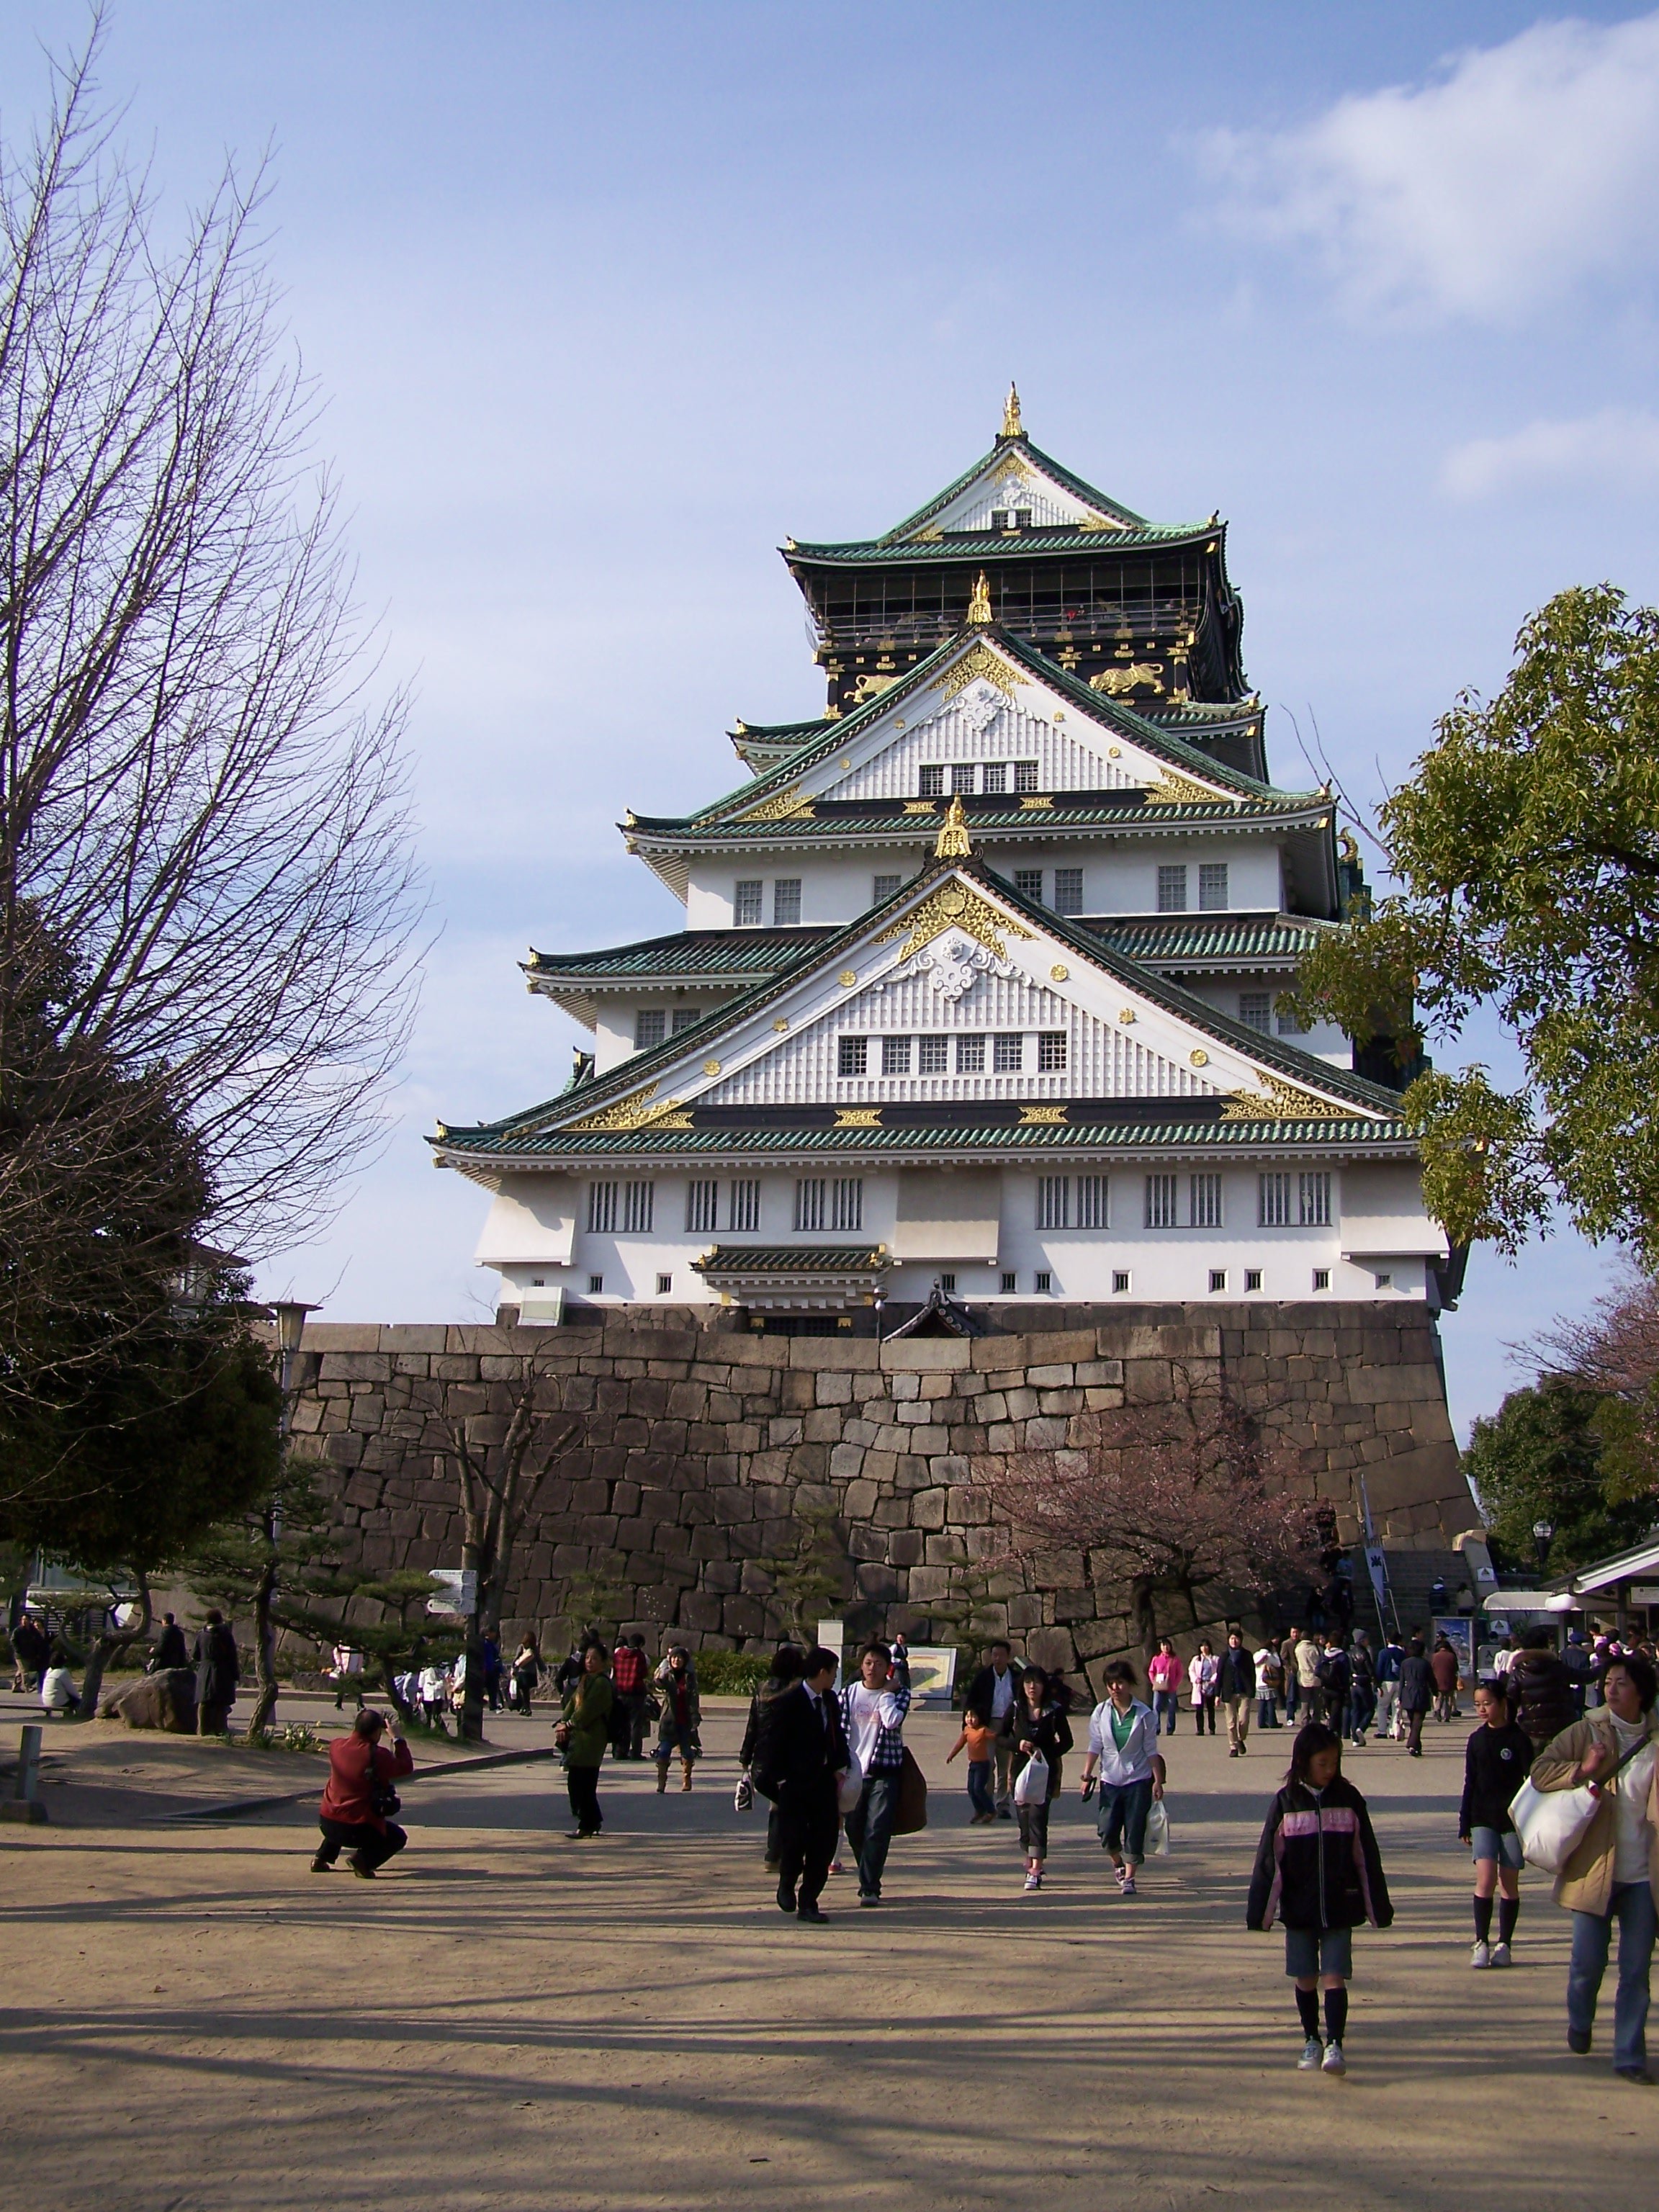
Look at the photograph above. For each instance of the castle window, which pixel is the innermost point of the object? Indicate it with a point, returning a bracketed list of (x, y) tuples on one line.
[(947, 1283), (970, 1055), (639, 1208), (601, 1209), (786, 901), (896, 1055), (995, 776), (650, 1027), (1068, 890), (1025, 775), (846, 1204), (933, 1055), (1206, 1201), (1273, 1201), (1212, 886), (1051, 1052), (962, 777), (852, 1055), (1000, 518), (1172, 887), (746, 1211), (1010, 1282), (930, 782), (884, 887), (595, 1286), (665, 1285), (1314, 1200), (1322, 1279), (1291, 1025), (1091, 1203), (1256, 1010), (701, 1200), (1253, 1279), (746, 905), (1027, 882), (1042, 1282), (685, 1017), (1161, 1202), (1023, 518), (1007, 1054), (1054, 1202), (809, 1203), (1121, 1283), (1218, 1279)]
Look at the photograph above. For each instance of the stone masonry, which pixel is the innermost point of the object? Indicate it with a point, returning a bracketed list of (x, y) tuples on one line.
[(702, 1444)]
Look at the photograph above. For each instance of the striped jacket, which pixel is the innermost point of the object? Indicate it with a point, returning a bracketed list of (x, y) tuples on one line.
[(887, 1753), (1318, 1865)]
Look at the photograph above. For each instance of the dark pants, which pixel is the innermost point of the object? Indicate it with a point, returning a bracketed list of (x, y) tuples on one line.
[(214, 1719), (775, 1838), (583, 1785), (1414, 1729), (1632, 1908), (1362, 1709), (1034, 1827), (1204, 1714), (1122, 1818), (808, 1830), (870, 1829), (1292, 1696), (630, 1733), (979, 1788), (369, 1846), (1165, 1706)]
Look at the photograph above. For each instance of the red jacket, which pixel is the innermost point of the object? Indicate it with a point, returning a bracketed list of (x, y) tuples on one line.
[(346, 1797)]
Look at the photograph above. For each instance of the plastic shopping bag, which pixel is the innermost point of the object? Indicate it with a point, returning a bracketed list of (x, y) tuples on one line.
[(852, 1784), (1031, 1784), (1157, 1829)]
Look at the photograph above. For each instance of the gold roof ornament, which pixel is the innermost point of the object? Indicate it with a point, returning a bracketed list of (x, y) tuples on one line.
[(979, 607), (951, 843), (1012, 426)]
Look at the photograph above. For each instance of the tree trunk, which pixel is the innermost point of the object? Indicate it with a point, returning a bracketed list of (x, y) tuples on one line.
[(1144, 1613), (476, 1554), (265, 1642), (110, 1646)]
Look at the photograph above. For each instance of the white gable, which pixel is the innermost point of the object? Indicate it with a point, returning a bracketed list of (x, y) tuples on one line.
[(1009, 480)]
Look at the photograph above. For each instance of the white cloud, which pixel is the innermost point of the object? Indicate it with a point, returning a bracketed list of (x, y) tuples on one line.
[(1617, 448), (1512, 175)]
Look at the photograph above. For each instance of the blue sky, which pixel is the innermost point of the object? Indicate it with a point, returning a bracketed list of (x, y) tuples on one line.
[(611, 298)]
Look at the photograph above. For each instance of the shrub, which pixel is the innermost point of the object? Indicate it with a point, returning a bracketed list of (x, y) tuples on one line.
[(732, 1674)]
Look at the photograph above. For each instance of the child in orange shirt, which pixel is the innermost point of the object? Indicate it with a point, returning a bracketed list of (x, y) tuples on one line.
[(976, 1739)]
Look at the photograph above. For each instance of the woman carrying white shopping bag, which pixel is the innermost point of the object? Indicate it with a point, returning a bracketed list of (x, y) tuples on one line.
[(1590, 1814), (1042, 1736)]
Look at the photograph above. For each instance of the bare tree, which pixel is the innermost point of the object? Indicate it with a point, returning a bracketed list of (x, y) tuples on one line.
[(206, 870), (1614, 1352), (1187, 1498)]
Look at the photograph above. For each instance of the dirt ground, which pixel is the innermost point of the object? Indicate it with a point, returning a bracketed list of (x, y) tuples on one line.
[(194, 2022)]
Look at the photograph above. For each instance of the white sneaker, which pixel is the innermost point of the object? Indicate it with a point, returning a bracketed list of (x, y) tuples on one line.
[(1312, 2052), (1500, 1955), (1480, 1954), (1033, 1881), (1335, 2061)]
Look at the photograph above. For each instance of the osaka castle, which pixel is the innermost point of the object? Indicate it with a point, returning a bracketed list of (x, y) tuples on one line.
[(979, 1002)]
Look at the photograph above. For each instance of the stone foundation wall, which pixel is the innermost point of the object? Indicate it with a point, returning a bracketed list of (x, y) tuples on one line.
[(703, 1443)]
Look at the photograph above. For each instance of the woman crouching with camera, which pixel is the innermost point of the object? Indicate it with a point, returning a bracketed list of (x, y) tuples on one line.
[(355, 1815)]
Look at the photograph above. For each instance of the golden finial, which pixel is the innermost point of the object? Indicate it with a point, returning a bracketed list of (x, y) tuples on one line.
[(1012, 426), (951, 843), (979, 607)]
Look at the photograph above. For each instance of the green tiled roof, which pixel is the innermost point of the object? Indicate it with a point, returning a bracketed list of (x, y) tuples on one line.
[(794, 1260), (832, 819), (690, 955), (1220, 937), (996, 545), (1022, 444)]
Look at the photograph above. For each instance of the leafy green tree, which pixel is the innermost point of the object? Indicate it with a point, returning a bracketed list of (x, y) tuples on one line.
[(1540, 1458), (1526, 848)]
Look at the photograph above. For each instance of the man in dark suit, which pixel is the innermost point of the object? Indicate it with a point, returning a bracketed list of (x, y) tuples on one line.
[(802, 1754)]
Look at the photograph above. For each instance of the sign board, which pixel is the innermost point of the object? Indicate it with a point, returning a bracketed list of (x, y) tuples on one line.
[(832, 1634), (457, 1592), (933, 1672), (1643, 1593), (1458, 1630)]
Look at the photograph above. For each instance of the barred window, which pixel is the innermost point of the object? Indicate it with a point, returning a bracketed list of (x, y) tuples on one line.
[(595, 1286), (847, 1203), (1273, 1201), (1160, 1205), (853, 1056), (1009, 1282), (1291, 1023), (665, 1285), (1068, 890), (1027, 882), (1211, 886), (1054, 1197), (1218, 1279), (701, 1200), (1042, 1282), (746, 1210), (650, 1027), (1206, 1201), (1256, 1010), (896, 1055), (962, 776), (970, 1055), (1322, 1279), (933, 1055), (639, 1208), (930, 783), (746, 905), (1007, 1054), (601, 1209), (1051, 1052), (809, 1202), (1120, 1282), (995, 776), (786, 901), (1026, 776), (884, 888), (1172, 887), (1314, 1199), (1091, 1203), (683, 1018)]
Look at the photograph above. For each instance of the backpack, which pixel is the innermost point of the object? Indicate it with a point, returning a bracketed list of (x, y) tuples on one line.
[(1334, 1672)]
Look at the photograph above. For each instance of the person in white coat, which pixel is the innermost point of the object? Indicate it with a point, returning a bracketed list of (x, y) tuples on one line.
[(1204, 1674)]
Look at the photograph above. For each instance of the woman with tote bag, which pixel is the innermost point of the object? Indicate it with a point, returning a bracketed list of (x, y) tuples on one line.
[(1042, 1736)]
